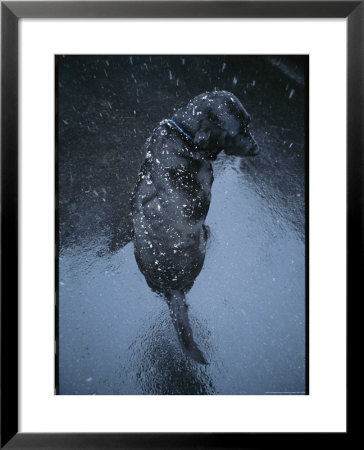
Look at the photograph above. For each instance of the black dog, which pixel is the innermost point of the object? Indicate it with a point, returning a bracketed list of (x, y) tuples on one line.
[(172, 197)]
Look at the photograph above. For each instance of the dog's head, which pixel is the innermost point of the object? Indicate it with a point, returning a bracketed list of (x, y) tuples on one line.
[(220, 122)]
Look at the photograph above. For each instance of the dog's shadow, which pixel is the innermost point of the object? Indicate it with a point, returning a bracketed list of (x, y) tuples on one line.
[(162, 368)]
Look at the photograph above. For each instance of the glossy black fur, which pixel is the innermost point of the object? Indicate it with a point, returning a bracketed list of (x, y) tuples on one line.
[(172, 197)]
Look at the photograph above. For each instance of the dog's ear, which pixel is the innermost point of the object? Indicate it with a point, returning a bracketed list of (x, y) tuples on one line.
[(212, 119)]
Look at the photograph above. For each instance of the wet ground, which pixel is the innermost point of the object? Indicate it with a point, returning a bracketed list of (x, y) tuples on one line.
[(247, 306)]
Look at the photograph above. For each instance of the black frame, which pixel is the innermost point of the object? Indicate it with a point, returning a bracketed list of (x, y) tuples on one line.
[(11, 12)]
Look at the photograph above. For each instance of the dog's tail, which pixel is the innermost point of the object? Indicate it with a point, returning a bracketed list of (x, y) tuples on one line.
[(179, 313)]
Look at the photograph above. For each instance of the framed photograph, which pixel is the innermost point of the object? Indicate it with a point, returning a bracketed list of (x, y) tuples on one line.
[(158, 237), (181, 221)]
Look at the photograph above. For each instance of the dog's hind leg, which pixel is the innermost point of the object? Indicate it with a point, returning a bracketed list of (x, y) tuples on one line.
[(207, 231), (179, 313)]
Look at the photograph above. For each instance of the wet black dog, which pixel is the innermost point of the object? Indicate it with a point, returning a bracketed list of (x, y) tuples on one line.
[(172, 197)]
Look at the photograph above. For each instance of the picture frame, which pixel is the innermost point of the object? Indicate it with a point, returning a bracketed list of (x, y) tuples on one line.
[(11, 12)]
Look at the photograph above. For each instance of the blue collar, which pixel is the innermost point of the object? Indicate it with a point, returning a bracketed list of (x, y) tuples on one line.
[(181, 130)]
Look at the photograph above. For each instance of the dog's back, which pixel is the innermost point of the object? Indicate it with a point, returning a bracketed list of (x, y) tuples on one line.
[(170, 203)]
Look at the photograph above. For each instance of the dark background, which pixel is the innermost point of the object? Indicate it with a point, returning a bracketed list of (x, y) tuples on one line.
[(115, 335)]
